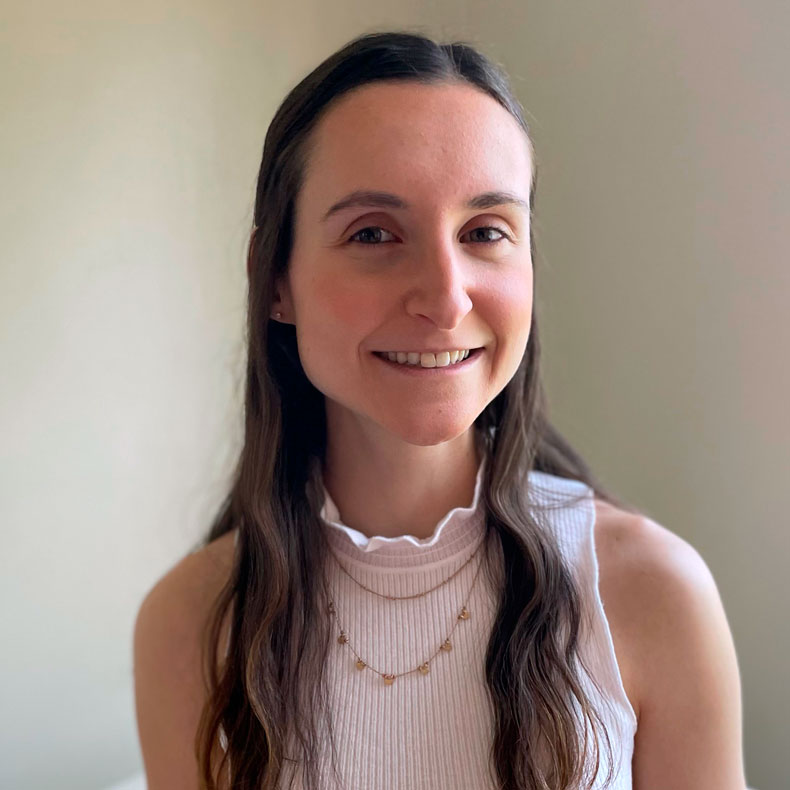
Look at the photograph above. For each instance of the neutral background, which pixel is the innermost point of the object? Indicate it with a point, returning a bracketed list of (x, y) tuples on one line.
[(130, 140)]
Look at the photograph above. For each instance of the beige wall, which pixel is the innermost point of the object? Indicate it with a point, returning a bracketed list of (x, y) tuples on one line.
[(130, 142)]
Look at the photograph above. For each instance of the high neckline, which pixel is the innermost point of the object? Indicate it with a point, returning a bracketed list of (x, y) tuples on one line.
[(454, 532)]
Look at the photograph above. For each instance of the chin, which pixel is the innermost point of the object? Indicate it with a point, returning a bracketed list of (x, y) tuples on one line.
[(429, 432)]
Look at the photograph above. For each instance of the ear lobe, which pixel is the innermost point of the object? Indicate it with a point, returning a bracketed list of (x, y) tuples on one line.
[(282, 298)]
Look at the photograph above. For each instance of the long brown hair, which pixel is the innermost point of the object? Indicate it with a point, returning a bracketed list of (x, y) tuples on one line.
[(271, 684)]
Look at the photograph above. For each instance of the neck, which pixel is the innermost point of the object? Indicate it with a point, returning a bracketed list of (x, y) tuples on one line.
[(401, 488)]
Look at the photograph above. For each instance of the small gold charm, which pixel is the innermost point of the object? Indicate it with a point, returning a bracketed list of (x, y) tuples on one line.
[(361, 664), (388, 679), (342, 639), (424, 668), (464, 614), (447, 645)]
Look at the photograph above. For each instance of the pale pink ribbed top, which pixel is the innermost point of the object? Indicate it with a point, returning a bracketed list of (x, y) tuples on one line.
[(433, 731)]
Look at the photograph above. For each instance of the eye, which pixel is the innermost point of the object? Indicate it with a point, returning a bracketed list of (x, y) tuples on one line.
[(367, 234), (502, 234), (373, 235)]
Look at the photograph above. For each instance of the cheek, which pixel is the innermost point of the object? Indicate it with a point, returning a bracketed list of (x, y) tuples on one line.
[(337, 314), (340, 307), (511, 300), (510, 311), (346, 301)]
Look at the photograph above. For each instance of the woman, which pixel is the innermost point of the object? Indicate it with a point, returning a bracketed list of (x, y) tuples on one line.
[(448, 631)]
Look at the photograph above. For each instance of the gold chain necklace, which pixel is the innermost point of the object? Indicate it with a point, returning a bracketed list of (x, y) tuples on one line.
[(446, 646)]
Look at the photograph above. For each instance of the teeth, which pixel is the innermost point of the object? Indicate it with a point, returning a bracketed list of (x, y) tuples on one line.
[(428, 360)]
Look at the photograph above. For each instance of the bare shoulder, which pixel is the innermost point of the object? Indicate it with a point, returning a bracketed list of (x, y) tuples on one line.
[(642, 566), (675, 652), (181, 599), (636, 532), (168, 675), (646, 569), (641, 557)]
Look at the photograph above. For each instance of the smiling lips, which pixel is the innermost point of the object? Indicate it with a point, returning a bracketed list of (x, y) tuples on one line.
[(426, 359)]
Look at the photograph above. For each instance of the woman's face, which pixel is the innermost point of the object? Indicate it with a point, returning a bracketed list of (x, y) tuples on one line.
[(431, 265)]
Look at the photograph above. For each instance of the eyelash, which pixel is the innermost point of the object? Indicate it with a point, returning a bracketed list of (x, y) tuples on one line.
[(351, 240)]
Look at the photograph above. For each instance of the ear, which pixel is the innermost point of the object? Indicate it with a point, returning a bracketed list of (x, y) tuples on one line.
[(283, 302)]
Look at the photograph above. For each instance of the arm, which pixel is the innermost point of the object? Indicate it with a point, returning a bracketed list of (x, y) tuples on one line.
[(690, 733), (169, 688)]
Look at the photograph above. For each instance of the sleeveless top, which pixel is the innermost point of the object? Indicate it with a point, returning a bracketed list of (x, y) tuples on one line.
[(434, 729)]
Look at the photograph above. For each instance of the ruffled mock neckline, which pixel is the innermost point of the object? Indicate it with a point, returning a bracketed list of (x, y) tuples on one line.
[(454, 531)]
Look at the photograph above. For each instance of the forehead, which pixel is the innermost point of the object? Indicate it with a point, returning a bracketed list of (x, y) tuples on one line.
[(421, 141)]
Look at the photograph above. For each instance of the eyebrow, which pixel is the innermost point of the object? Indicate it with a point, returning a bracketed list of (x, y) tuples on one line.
[(367, 197)]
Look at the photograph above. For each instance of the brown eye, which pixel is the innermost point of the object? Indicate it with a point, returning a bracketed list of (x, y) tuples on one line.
[(370, 236), (487, 229)]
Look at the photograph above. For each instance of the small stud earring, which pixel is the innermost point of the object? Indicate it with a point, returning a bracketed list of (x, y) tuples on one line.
[(278, 315)]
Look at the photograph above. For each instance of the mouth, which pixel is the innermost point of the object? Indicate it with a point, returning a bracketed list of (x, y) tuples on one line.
[(418, 369)]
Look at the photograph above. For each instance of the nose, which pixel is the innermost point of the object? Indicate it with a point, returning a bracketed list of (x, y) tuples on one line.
[(438, 287)]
